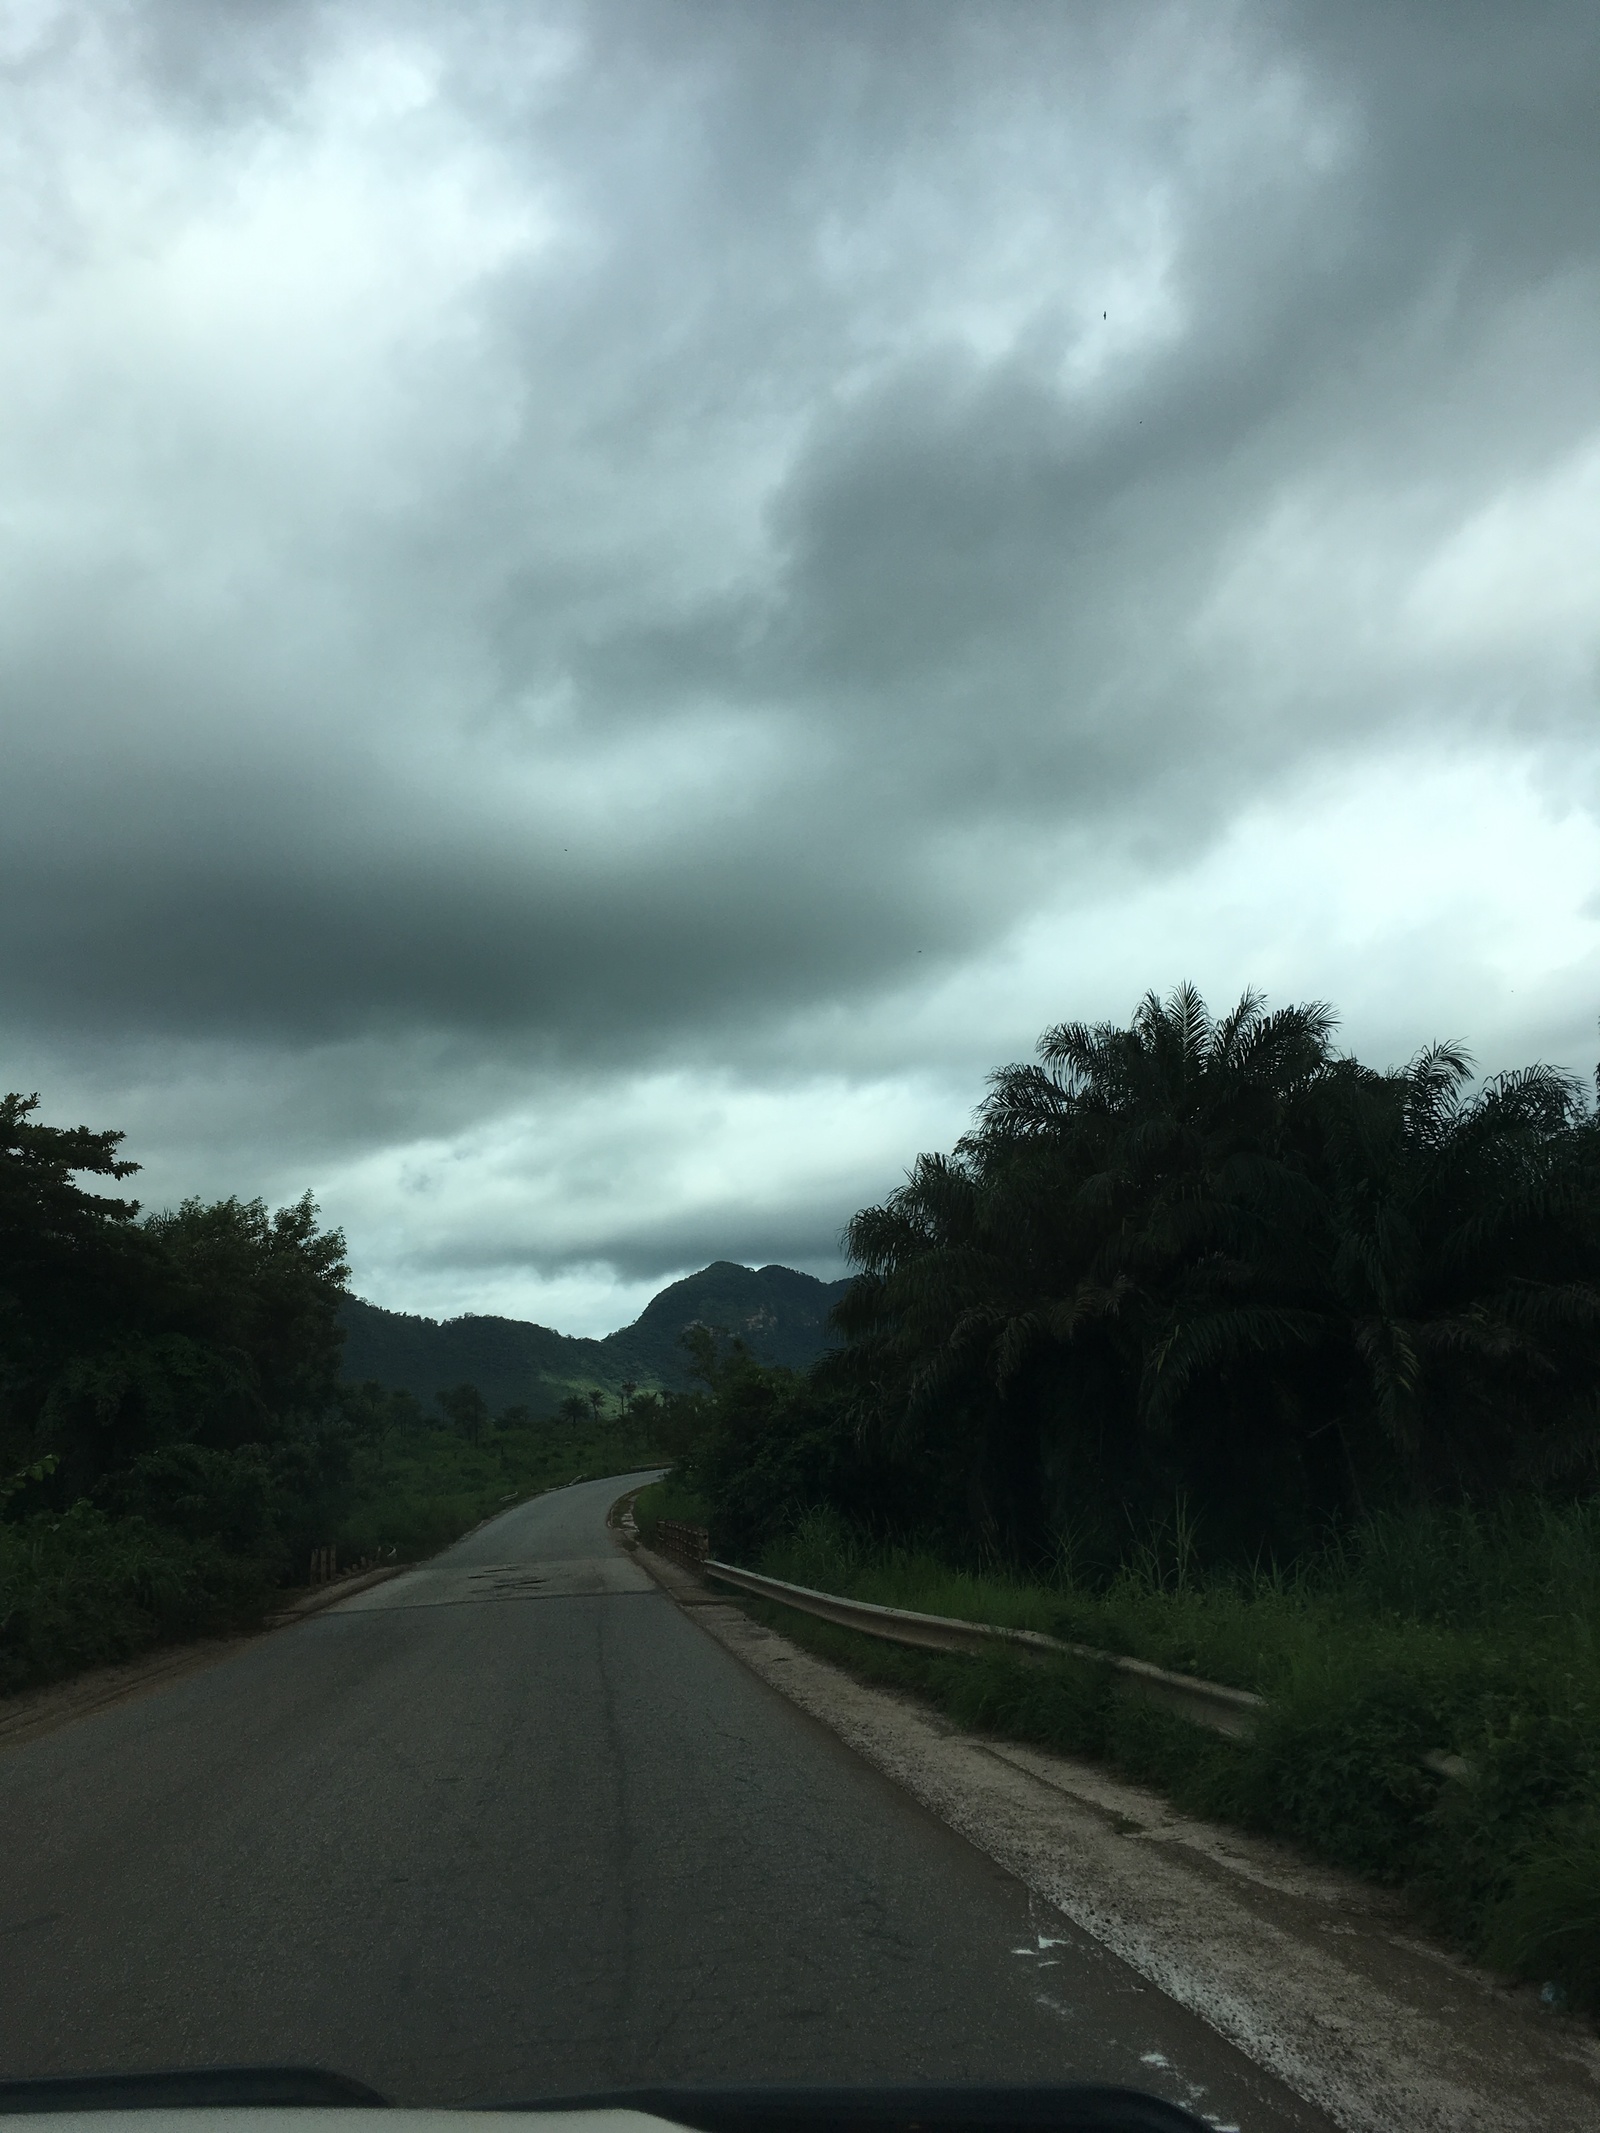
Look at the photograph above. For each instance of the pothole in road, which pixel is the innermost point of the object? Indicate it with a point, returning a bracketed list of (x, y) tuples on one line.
[(510, 1579), (451, 1585)]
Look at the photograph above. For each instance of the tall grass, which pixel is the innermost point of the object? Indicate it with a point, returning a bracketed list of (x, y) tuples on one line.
[(1467, 1631), (668, 1498)]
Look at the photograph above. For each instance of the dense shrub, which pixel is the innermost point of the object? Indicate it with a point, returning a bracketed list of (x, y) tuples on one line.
[(80, 1589), (766, 1443)]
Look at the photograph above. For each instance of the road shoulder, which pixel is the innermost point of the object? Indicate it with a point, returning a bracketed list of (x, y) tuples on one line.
[(1321, 1979)]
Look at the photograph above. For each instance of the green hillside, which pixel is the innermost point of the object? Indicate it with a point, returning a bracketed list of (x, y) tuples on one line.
[(779, 1314)]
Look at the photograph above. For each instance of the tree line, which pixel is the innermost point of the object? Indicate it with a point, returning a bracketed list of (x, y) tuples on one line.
[(466, 1410), (1207, 1262), (1199, 1261), (176, 1438), (181, 1366)]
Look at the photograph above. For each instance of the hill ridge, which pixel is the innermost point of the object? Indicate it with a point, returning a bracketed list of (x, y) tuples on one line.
[(780, 1314)]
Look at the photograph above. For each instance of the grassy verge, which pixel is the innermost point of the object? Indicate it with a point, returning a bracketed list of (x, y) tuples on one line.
[(429, 1487), (668, 1498), (1454, 1632)]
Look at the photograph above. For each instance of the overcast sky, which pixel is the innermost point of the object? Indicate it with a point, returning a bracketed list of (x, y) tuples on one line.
[(603, 606)]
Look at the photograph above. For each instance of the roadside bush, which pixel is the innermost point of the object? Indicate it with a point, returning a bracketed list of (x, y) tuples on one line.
[(1546, 1923), (1338, 1759), (229, 1497), (765, 1445), (269, 1504), (1461, 1632), (771, 1444), (81, 1589), (195, 1540)]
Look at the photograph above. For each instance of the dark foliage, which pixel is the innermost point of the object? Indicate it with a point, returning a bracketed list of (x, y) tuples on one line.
[(772, 1443), (1213, 1260), (213, 1326), (176, 1437), (179, 1371), (758, 1444), (780, 1315)]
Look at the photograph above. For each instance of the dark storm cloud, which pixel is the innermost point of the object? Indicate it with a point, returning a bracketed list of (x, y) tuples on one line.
[(260, 944), (591, 532)]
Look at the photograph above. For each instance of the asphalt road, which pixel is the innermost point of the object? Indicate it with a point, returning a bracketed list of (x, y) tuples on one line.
[(512, 1825)]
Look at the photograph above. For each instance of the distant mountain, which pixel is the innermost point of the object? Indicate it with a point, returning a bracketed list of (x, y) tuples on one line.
[(506, 1358), (781, 1317)]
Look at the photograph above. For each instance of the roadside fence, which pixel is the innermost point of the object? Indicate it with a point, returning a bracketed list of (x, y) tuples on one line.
[(687, 1546), (1212, 1704), (1205, 1703)]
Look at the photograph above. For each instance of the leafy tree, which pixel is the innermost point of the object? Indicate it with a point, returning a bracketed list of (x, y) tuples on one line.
[(629, 1388), (465, 1409), (74, 1269), (710, 1351), (646, 1411), (215, 1325), (765, 1443), (38, 1470), (263, 1286), (574, 1408), (375, 1413), (597, 1400)]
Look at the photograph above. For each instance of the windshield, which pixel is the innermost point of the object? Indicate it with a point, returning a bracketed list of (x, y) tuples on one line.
[(799, 1179)]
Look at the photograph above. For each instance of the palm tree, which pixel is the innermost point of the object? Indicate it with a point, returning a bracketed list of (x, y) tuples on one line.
[(1212, 1256)]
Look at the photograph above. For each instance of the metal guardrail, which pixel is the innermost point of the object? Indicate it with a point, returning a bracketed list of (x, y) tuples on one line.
[(1212, 1704), (687, 1546), (1204, 1703)]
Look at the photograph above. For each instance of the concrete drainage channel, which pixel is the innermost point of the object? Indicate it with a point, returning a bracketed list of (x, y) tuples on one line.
[(1325, 1981)]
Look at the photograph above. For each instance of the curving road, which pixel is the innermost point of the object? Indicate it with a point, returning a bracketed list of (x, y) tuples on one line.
[(511, 1824)]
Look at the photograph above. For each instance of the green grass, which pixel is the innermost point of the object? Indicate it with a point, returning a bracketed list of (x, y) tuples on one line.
[(81, 1589), (668, 1498), (1458, 1631), (429, 1487)]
